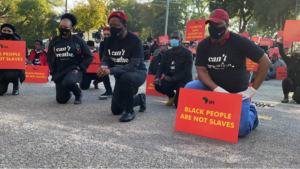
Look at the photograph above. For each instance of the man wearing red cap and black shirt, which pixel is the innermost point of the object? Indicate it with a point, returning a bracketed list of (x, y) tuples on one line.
[(221, 66), (123, 58), (153, 47)]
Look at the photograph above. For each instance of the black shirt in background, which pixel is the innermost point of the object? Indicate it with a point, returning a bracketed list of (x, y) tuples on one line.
[(36, 60), (80, 34), (98, 35), (149, 39), (226, 64), (64, 55), (124, 55), (154, 64)]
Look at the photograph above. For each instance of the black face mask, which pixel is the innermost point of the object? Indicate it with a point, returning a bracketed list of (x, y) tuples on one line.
[(7, 36), (116, 32), (63, 31), (216, 32)]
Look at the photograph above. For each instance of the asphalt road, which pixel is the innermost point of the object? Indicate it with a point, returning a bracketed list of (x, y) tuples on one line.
[(35, 131)]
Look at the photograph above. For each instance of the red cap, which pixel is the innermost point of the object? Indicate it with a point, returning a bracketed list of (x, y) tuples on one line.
[(118, 14), (218, 15), (50, 38), (155, 40), (106, 28), (168, 44)]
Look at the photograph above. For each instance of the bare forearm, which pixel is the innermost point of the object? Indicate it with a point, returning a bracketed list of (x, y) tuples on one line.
[(206, 80), (262, 72)]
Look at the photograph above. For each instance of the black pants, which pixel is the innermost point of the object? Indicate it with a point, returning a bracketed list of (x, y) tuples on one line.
[(67, 83), (289, 86), (11, 76), (106, 83), (87, 79), (167, 88), (126, 86)]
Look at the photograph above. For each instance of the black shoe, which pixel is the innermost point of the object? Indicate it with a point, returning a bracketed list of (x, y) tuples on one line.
[(78, 99), (15, 92), (142, 102), (106, 95), (285, 99), (126, 117)]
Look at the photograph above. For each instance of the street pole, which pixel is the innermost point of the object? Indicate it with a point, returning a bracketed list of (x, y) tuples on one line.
[(296, 8), (66, 10), (167, 16)]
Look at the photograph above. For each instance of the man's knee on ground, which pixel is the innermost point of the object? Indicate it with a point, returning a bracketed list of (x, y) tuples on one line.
[(62, 100), (11, 76), (84, 86), (244, 131), (67, 83), (116, 111), (296, 96)]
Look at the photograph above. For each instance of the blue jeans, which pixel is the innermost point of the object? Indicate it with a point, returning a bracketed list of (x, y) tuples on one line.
[(271, 75), (248, 112)]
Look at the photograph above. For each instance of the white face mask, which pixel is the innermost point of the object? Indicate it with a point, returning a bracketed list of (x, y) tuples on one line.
[(92, 51)]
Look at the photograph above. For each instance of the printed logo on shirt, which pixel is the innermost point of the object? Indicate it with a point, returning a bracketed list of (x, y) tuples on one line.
[(78, 49), (75, 72), (219, 62), (172, 67), (118, 56), (63, 52)]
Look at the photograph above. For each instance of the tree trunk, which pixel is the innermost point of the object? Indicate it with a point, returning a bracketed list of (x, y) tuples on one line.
[(88, 34)]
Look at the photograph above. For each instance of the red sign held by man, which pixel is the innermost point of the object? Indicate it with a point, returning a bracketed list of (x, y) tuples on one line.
[(251, 66), (150, 87), (214, 114), (287, 44), (195, 29), (292, 30), (245, 34), (36, 74), (274, 51), (266, 42), (279, 34), (255, 38), (95, 64), (163, 39), (281, 73), (12, 54)]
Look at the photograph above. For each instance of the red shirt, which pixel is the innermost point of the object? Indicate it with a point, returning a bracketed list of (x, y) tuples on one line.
[(227, 37)]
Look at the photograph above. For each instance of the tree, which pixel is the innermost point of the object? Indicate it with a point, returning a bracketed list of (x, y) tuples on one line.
[(271, 14), (243, 9), (90, 16)]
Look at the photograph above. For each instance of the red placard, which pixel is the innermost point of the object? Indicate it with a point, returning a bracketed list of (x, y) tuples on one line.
[(36, 74), (266, 42), (251, 66), (213, 114), (274, 50), (12, 54), (292, 30), (163, 39), (195, 29), (287, 44), (279, 34), (245, 34), (150, 88), (95, 64), (255, 38), (193, 50), (151, 57), (281, 73), (136, 33)]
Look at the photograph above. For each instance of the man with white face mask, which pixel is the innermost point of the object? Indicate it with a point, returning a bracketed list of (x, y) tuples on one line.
[(177, 66), (221, 66)]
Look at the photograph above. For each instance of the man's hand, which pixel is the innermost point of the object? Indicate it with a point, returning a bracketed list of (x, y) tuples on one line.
[(280, 40), (220, 89), (101, 70), (168, 78), (78, 67), (157, 82), (250, 92)]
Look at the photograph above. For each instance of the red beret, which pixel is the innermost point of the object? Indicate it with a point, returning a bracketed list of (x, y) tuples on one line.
[(168, 44), (155, 40), (106, 28), (118, 14)]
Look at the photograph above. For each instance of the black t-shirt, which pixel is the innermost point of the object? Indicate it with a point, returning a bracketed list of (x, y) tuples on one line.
[(149, 39), (36, 60), (98, 35), (65, 53), (226, 64), (121, 52), (80, 34)]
